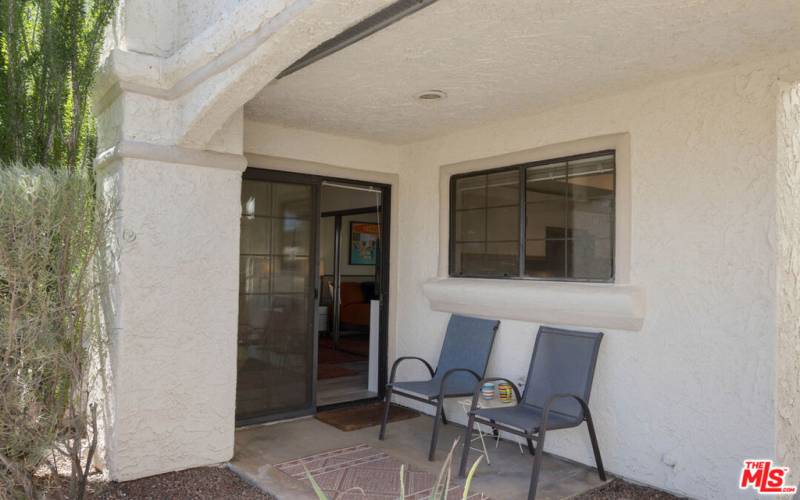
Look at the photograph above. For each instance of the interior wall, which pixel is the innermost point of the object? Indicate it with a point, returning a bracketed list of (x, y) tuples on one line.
[(327, 230), (336, 199), (682, 402), (349, 269), (327, 245)]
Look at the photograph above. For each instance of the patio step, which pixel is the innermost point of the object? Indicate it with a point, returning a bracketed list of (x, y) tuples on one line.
[(274, 482)]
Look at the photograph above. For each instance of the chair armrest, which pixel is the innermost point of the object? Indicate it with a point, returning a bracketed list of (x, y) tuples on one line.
[(556, 397), (477, 392), (452, 371), (404, 358)]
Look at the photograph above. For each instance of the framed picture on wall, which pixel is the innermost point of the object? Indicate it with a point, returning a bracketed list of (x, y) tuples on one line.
[(364, 243)]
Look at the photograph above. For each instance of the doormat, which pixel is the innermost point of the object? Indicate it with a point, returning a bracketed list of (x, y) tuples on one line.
[(346, 472), (353, 418)]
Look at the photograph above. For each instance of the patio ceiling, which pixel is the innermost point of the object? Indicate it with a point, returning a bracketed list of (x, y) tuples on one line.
[(498, 59)]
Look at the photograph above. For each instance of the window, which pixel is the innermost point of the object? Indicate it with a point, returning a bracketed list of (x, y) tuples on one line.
[(551, 220)]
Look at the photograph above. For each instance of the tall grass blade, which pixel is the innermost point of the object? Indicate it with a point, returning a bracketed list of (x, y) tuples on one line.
[(447, 483), (317, 490), (445, 470), (402, 482), (468, 483)]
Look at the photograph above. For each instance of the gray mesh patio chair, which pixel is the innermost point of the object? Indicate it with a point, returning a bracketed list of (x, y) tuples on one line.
[(556, 396), (462, 363)]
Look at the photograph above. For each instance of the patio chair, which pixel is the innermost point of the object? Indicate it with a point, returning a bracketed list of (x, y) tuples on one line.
[(462, 363), (556, 396)]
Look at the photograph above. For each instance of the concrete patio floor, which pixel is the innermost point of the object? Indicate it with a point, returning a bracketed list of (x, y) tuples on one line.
[(507, 478)]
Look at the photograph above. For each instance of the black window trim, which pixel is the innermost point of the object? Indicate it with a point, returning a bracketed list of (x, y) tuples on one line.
[(521, 167)]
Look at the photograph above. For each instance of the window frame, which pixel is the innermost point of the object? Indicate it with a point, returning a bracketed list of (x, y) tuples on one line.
[(522, 170)]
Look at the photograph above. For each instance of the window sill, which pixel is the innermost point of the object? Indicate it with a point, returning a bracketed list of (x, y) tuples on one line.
[(592, 305)]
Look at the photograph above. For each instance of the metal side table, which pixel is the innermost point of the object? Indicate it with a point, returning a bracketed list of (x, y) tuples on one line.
[(466, 405)]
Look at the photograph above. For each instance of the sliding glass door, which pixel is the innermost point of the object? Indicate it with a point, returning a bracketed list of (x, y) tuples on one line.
[(276, 345)]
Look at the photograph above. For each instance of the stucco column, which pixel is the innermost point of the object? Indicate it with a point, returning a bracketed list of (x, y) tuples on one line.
[(168, 101), (787, 366), (173, 301), (173, 340)]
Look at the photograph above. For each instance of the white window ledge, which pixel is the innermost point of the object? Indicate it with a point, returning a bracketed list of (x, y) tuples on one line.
[(593, 305)]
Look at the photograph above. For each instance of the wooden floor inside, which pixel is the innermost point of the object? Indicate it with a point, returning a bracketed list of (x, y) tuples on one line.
[(343, 389), (350, 360)]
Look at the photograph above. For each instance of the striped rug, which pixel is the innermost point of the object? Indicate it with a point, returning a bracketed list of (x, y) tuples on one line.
[(340, 472)]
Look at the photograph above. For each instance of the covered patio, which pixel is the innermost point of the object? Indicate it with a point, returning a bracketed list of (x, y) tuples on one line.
[(259, 448), (622, 167)]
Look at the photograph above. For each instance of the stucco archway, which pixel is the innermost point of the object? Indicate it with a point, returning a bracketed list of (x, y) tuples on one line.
[(207, 106), (170, 134)]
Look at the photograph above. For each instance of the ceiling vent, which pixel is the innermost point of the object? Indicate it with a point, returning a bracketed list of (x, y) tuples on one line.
[(372, 24)]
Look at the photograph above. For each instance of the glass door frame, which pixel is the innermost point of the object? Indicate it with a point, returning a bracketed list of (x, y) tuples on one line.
[(315, 181), (256, 174)]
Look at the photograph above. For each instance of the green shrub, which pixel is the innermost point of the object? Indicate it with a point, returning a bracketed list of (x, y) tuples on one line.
[(52, 231), (49, 52)]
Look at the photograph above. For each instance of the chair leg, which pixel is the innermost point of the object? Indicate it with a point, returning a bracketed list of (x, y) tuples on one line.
[(595, 447), (435, 436), (530, 446), (386, 407), (537, 466), (444, 417), (466, 445)]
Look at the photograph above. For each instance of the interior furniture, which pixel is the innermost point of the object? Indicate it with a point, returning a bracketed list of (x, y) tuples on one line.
[(322, 321), (354, 309)]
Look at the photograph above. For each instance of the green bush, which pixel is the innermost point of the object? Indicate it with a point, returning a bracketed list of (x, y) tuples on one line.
[(48, 58), (52, 231)]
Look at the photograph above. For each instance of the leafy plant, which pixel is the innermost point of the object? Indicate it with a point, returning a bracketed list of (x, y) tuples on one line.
[(439, 490), (49, 51), (51, 335)]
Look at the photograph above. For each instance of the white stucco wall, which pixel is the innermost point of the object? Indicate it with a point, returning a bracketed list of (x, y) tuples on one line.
[(174, 307), (682, 401), (709, 379), (787, 365), (173, 354)]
